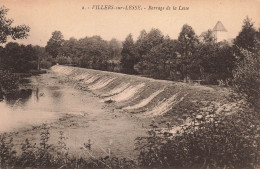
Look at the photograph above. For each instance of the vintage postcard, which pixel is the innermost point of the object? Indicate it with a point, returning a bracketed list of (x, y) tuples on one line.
[(129, 84)]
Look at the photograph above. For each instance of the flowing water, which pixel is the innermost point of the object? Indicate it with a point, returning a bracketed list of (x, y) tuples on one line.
[(48, 100)]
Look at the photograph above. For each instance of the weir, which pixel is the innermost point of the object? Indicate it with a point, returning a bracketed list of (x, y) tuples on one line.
[(118, 89), (73, 100), (145, 96)]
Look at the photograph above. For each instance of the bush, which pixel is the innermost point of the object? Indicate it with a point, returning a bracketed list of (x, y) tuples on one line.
[(211, 142), (247, 78), (64, 60), (8, 82), (45, 64), (7, 154)]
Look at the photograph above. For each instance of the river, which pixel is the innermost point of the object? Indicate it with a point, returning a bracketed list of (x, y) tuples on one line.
[(82, 117)]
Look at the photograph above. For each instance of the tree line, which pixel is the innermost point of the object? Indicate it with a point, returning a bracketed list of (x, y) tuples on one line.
[(189, 57), (89, 52)]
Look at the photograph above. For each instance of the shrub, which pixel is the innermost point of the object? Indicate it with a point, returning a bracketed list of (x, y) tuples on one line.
[(213, 142), (46, 64), (63, 60), (27, 157), (247, 78), (7, 154)]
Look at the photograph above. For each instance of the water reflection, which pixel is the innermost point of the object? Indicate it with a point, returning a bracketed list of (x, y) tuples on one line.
[(18, 97), (30, 106), (37, 94), (1, 97), (56, 97), (47, 100)]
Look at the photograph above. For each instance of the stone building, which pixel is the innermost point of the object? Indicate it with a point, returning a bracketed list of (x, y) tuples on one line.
[(220, 32)]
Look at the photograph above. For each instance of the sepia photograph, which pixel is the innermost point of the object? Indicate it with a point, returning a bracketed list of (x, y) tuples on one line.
[(129, 84)]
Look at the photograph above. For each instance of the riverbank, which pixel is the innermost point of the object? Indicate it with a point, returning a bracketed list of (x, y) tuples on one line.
[(81, 116), (110, 110)]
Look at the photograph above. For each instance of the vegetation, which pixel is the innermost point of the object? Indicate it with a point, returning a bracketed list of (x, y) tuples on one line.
[(246, 75), (213, 140), (246, 39), (46, 155), (208, 141), (16, 61), (247, 78), (15, 58), (190, 57), (55, 43), (10, 56), (129, 54), (7, 30), (18, 58), (8, 82), (89, 52)]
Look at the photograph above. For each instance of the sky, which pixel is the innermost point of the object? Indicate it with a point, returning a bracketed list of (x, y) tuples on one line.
[(69, 17)]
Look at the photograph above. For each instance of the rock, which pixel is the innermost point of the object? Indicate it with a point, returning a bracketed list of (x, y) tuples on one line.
[(199, 117)]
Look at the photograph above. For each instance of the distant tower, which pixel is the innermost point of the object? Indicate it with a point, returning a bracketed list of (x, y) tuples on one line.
[(220, 32)]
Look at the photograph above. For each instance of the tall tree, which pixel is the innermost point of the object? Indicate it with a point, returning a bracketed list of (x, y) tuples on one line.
[(41, 55), (140, 43), (188, 41), (93, 52), (68, 48), (19, 58), (159, 61), (146, 42), (114, 49), (6, 28), (55, 43), (128, 53), (246, 38)]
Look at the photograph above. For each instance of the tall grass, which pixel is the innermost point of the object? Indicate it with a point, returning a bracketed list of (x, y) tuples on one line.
[(45, 155)]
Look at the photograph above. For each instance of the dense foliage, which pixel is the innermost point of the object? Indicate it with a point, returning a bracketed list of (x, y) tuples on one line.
[(7, 30), (188, 58), (247, 78), (129, 55), (246, 39), (8, 82), (10, 56), (55, 43), (89, 52), (215, 141), (18, 58)]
